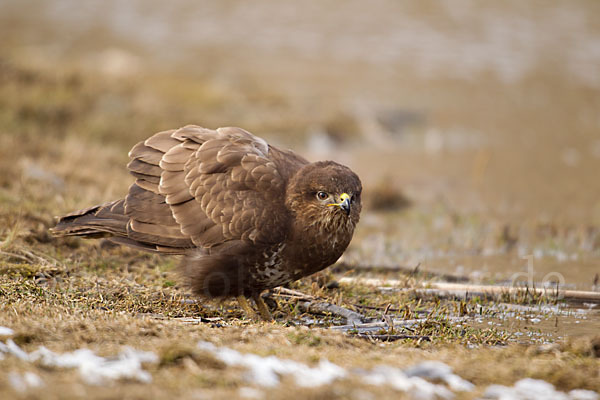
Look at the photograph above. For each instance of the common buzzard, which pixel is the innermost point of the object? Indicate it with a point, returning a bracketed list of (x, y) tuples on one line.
[(246, 216)]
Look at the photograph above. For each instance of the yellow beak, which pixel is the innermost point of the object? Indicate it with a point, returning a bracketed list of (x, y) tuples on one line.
[(344, 204)]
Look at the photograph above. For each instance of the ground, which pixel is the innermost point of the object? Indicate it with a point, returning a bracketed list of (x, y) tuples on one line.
[(487, 178)]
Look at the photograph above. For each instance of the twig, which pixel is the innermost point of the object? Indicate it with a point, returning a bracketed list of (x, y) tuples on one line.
[(322, 307), (458, 290), (290, 294), (31, 257), (196, 321), (391, 338), (312, 304), (14, 255), (410, 271), (378, 308), (294, 294), (396, 323)]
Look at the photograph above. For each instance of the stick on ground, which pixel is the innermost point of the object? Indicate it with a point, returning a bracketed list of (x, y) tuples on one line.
[(446, 289), (321, 307)]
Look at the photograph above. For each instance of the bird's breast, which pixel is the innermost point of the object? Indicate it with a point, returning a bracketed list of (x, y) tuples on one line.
[(269, 268), (314, 251)]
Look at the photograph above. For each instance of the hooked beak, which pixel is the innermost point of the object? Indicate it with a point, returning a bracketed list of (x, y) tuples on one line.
[(344, 204)]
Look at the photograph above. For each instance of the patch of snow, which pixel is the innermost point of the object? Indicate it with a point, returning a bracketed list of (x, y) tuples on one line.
[(532, 389), (4, 331), (436, 370), (247, 392), (23, 382), (582, 394), (97, 370), (94, 370), (383, 375), (265, 371), (425, 390), (418, 387), (538, 388), (13, 349)]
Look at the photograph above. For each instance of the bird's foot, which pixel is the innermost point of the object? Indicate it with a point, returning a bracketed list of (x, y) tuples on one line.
[(250, 313), (263, 311)]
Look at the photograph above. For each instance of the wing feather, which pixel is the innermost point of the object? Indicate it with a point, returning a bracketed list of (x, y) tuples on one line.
[(196, 186), (238, 191), (145, 153), (162, 141), (147, 206), (151, 222), (140, 167)]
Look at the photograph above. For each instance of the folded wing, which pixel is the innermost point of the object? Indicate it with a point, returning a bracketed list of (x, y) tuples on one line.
[(194, 187)]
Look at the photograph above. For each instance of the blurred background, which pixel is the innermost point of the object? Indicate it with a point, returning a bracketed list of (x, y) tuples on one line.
[(475, 126)]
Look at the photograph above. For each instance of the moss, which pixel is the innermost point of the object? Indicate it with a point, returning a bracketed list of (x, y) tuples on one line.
[(304, 337)]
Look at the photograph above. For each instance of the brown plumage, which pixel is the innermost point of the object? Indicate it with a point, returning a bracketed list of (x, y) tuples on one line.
[(247, 216)]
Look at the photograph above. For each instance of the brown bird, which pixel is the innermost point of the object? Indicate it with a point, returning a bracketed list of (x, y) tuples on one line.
[(246, 215)]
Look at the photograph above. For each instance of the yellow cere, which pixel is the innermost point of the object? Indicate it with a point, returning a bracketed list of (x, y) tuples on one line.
[(343, 197)]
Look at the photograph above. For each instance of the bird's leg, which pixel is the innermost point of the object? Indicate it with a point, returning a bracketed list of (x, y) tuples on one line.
[(263, 310), (243, 302)]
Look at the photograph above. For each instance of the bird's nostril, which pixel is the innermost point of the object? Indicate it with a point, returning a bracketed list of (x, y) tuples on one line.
[(345, 205)]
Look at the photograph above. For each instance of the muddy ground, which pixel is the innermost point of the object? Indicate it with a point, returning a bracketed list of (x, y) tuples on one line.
[(473, 126)]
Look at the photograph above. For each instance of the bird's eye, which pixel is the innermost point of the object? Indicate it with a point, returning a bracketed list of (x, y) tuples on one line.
[(322, 195)]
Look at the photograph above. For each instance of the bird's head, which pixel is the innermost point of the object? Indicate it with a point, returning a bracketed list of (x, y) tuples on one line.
[(326, 194)]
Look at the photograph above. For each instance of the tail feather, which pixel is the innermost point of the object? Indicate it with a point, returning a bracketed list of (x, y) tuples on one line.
[(103, 220), (110, 221)]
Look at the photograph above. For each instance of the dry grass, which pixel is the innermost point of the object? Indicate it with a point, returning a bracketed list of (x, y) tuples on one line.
[(64, 136)]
